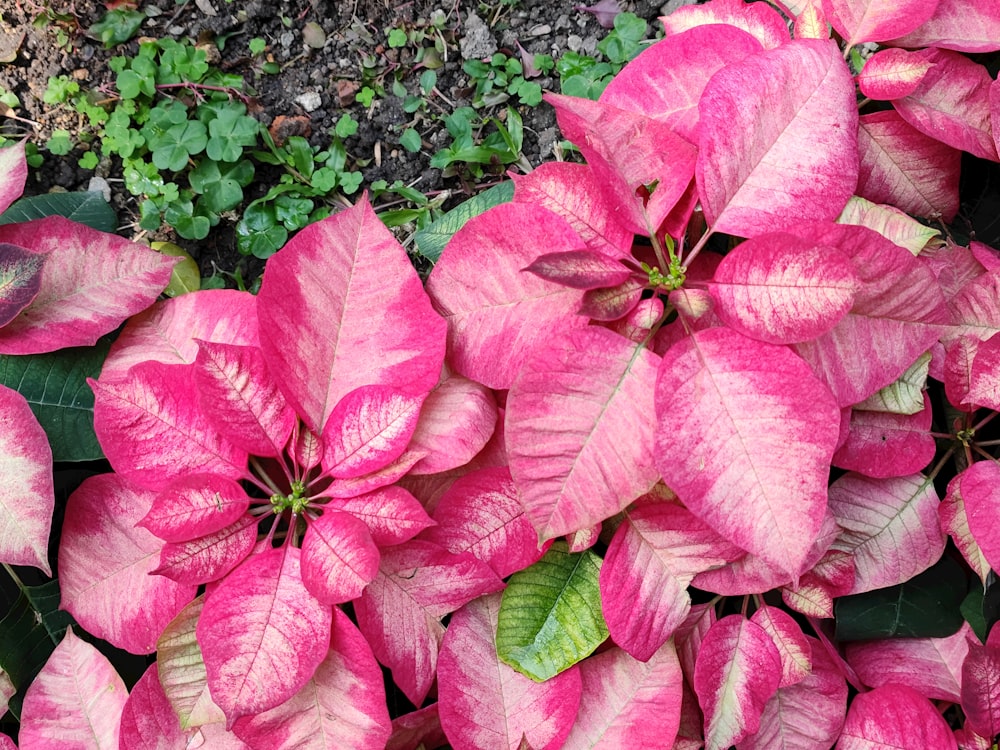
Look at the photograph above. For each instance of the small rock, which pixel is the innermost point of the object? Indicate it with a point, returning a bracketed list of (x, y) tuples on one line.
[(546, 140), (286, 39), (541, 29), (313, 35), (478, 41), (574, 42), (309, 101), (100, 185)]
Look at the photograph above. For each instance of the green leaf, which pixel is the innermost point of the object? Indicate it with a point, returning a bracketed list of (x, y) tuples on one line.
[(59, 143), (410, 140), (117, 26), (230, 131), (550, 614), (172, 148), (88, 208), (259, 233), (55, 386), (972, 610), (431, 240), (29, 632), (185, 276), (221, 185), (926, 606)]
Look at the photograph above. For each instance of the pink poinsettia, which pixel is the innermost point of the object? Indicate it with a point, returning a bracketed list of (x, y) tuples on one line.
[(256, 444)]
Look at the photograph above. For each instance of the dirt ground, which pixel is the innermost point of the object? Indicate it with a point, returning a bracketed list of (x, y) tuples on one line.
[(316, 83)]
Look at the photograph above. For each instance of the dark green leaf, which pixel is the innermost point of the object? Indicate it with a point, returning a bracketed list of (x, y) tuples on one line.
[(431, 240), (972, 610), (88, 208), (991, 602), (117, 26), (926, 606), (29, 632), (55, 386), (259, 233)]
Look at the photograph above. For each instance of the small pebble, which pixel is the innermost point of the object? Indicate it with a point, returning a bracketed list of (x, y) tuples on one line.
[(309, 101)]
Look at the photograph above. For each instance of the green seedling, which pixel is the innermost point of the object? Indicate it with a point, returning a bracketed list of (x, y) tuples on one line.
[(498, 80), (472, 156), (117, 26)]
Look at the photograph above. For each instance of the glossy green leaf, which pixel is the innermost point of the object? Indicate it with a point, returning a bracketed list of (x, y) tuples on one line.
[(926, 606), (550, 615), (88, 208), (972, 610), (431, 240), (55, 386), (29, 632), (185, 276)]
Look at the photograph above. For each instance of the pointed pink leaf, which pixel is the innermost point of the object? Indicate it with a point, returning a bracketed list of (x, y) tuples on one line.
[(580, 429), (27, 495), (13, 174), (494, 320), (897, 315), (195, 505), (962, 25), (955, 522), (209, 557), (882, 445), (614, 303), (631, 155), (984, 377), (573, 192), (75, 702), (169, 331), (782, 289), (153, 431), (981, 688), (859, 21), (980, 488), (90, 284), (628, 703), (976, 308), (952, 104), (903, 167), (104, 554), (640, 321), (666, 80), (262, 634), (761, 21), (238, 395), (328, 285), (400, 611), (604, 11), (456, 422), (20, 279), (727, 407), (650, 561), (339, 557), (889, 525), (392, 514), (893, 73), (737, 672), (807, 715), (342, 706), (793, 646), (760, 167), (931, 666), (894, 716), (368, 429), (810, 23), (305, 447), (417, 729), (378, 479), (579, 269), (148, 720), (831, 577), (690, 635), (484, 703), (480, 514)]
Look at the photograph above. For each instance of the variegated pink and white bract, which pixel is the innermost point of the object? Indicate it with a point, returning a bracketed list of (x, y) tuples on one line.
[(351, 464)]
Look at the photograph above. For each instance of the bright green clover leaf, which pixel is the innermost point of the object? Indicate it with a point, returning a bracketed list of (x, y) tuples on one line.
[(189, 223), (397, 38), (60, 143), (346, 126), (292, 211), (230, 131), (259, 233), (172, 148), (221, 185)]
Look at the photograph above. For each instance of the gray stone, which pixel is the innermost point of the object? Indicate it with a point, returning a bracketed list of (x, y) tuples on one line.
[(309, 101), (478, 41)]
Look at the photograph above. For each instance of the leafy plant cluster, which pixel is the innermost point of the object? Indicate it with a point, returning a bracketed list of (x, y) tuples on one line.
[(691, 445), (189, 148)]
